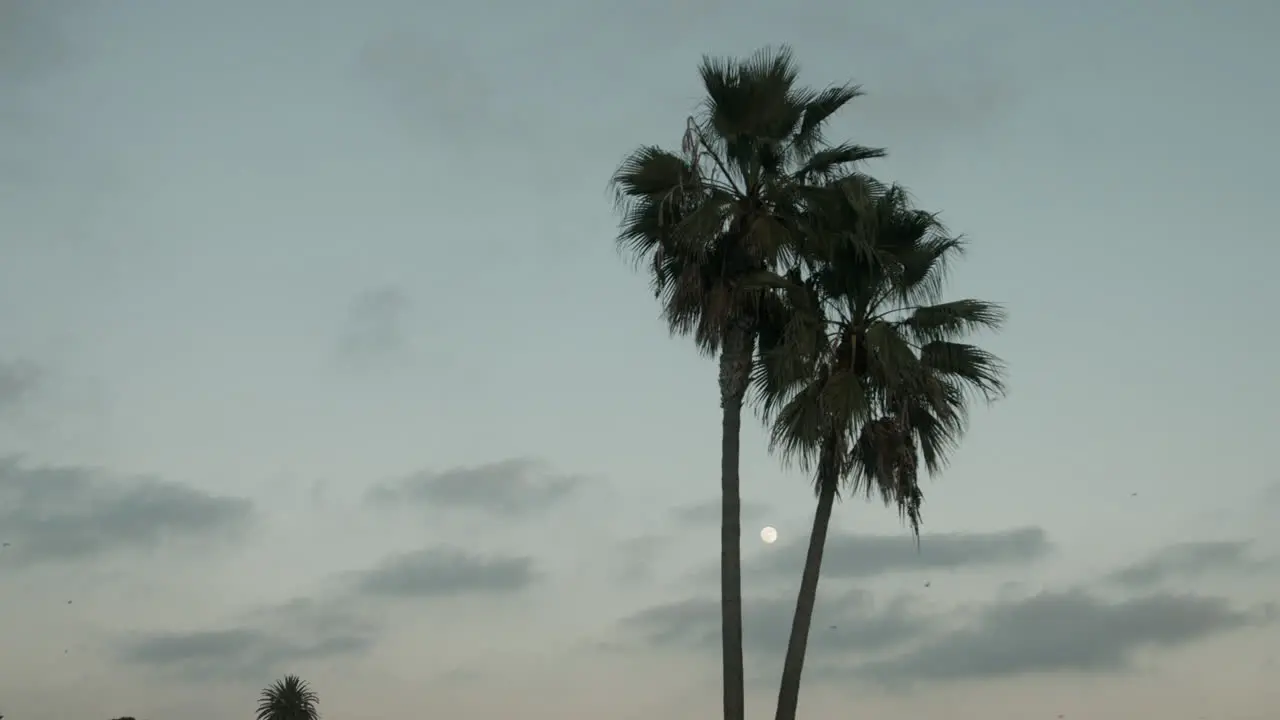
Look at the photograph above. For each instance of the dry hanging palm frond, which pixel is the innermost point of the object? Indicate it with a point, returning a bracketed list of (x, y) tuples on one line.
[(691, 144)]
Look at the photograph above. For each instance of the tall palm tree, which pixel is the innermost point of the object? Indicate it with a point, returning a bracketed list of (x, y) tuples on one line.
[(290, 698), (869, 374), (708, 222)]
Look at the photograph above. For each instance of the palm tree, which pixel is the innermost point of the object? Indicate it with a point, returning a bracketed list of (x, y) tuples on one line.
[(868, 373), (288, 699), (713, 220)]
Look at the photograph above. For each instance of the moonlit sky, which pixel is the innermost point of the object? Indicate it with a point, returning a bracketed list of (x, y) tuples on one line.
[(316, 356)]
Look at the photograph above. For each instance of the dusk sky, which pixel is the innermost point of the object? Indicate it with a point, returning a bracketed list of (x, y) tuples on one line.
[(317, 356)]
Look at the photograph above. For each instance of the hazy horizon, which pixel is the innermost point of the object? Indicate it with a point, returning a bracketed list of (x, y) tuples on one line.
[(317, 356)]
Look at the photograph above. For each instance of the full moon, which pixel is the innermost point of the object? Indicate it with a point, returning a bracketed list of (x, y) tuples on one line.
[(769, 534)]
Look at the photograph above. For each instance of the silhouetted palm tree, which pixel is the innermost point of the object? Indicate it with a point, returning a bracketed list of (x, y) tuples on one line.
[(868, 373), (711, 223), (288, 699)]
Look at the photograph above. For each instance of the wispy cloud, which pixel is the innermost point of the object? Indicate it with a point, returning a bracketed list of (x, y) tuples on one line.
[(260, 644), (18, 380), (845, 623), (446, 572), (508, 488), (708, 511), (432, 89), (69, 513), (373, 332), (1061, 632), (865, 556), (1186, 561)]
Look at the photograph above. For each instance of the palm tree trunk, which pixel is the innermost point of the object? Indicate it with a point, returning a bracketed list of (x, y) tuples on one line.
[(735, 372), (789, 692)]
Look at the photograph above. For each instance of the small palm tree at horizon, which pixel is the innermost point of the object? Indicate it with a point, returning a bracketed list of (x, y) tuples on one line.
[(712, 224), (866, 375), (290, 698)]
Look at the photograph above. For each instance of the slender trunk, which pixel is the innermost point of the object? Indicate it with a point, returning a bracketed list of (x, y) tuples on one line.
[(789, 692), (735, 371)]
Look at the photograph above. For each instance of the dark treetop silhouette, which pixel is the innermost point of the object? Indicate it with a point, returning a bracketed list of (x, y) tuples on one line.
[(290, 698)]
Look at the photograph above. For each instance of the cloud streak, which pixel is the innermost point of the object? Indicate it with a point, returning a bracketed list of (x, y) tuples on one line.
[(69, 513), (853, 556), (447, 572), (374, 328), (18, 381), (260, 645), (31, 41), (1186, 561), (336, 624), (508, 488), (430, 88), (843, 623), (1061, 632), (708, 512)]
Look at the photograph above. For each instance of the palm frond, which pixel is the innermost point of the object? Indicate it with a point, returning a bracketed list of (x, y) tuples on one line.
[(792, 338), (883, 462), (974, 367), (937, 436), (925, 267), (818, 109), (742, 94), (651, 172), (799, 424), (892, 359), (949, 320), (828, 163)]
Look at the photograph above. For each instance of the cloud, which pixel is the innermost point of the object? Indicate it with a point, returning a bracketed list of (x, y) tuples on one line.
[(1060, 632), (18, 380), (1189, 560), (508, 488), (842, 624), (914, 79), (31, 40), (431, 88), (263, 642), (636, 559), (708, 512), (259, 646), (442, 572), (374, 329), (68, 513), (1271, 494), (864, 556)]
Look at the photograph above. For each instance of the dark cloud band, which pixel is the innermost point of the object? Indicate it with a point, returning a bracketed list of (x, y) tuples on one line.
[(507, 488), (66, 513)]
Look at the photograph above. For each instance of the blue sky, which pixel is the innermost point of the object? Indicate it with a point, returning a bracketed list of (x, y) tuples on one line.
[(283, 281)]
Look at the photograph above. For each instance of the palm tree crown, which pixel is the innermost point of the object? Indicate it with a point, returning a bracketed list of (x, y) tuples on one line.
[(723, 209), (869, 372), (290, 698)]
